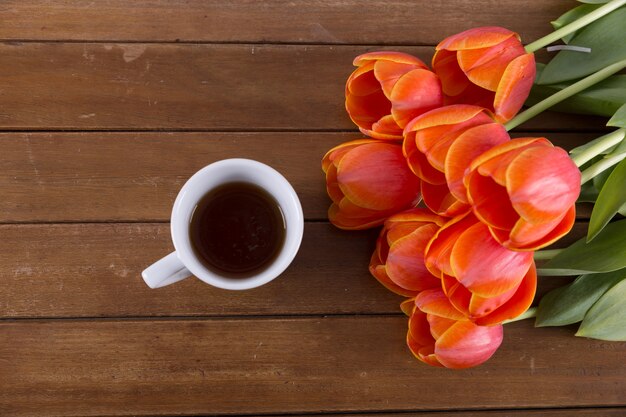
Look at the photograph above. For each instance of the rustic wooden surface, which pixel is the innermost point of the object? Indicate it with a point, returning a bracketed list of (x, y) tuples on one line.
[(107, 107)]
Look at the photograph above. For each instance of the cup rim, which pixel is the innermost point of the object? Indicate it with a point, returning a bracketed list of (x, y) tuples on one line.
[(288, 200)]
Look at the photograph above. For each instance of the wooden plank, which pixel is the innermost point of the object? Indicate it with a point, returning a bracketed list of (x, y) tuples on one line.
[(93, 270), (567, 412), (86, 86), (320, 21), (255, 366), (125, 176)]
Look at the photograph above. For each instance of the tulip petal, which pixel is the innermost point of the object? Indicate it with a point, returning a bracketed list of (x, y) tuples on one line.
[(419, 328), (435, 131), (334, 155), (479, 307), (332, 187), (407, 306), (502, 150), (517, 304), (376, 176), (414, 215), (405, 262), (435, 302), (453, 79), (449, 115), (490, 202), (439, 325), (483, 266), (515, 241), (415, 93), (380, 273), (387, 128), (389, 72), (362, 81), (465, 344), (470, 144), (486, 66), (425, 353), (419, 333), (481, 37), (367, 110), (383, 136), (459, 296), (476, 96), (399, 57), (418, 163), (347, 215), (514, 87), (548, 189), (439, 249), (439, 199)]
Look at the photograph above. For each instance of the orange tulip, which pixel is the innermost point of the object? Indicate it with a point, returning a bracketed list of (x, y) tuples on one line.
[(488, 67), (398, 261), (482, 279), (368, 181), (439, 335), (524, 191), (387, 90), (440, 145)]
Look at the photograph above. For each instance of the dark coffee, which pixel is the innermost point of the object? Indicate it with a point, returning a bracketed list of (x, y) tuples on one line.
[(237, 230)]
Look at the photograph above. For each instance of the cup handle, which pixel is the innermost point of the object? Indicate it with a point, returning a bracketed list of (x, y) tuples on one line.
[(165, 271)]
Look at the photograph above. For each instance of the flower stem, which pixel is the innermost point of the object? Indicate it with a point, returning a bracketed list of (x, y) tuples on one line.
[(601, 166), (544, 255), (575, 25), (599, 145), (567, 92), (530, 313)]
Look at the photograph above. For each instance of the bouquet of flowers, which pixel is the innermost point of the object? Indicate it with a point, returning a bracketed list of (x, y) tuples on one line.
[(465, 210)]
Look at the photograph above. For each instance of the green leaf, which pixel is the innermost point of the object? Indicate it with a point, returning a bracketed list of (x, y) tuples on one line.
[(606, 253), (619, 118), (572, 15), (605, 37), (594, 1), (600, 179), (602, 99), (611, 198), (606, 320), (570, 303)]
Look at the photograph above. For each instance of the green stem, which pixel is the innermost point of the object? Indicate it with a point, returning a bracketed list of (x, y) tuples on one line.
[(530, 313), (575, 25), (567, 92), (601, 166), (599, 145), (546, 254)]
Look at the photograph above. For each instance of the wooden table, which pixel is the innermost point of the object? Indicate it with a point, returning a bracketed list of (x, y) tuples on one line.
[(107, 107)]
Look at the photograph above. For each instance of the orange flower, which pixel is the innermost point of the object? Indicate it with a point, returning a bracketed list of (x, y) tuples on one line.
[(439, 335), (524, 191), (439, 147), (387, 90), (368, 180), (482, 279), (398, 261), (488, 67)]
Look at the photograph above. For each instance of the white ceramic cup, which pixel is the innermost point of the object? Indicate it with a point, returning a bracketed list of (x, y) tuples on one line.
[(183, 262)]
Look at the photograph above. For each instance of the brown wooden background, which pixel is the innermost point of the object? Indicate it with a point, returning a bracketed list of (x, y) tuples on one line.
[(107, 107)]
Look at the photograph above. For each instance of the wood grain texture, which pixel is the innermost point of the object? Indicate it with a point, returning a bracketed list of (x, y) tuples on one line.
[(125, 176), (255, 366), (319, 21), (86, 86), (93, 270), (565, 412)]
